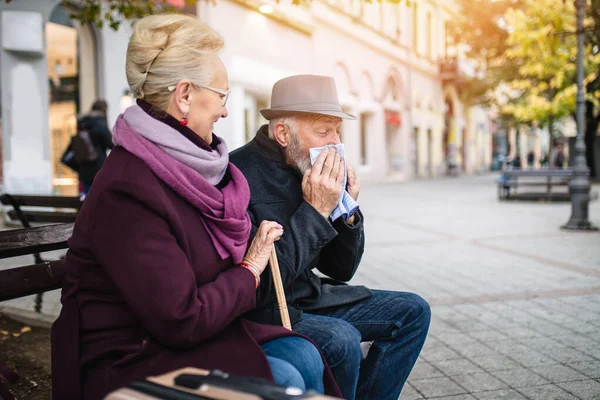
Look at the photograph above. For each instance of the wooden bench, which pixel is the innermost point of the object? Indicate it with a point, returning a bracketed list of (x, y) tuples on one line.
[(512, 179), (29, 209), (35, 278)]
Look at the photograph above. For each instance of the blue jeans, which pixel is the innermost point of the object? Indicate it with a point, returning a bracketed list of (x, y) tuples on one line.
[(295, 362), (396, 322)]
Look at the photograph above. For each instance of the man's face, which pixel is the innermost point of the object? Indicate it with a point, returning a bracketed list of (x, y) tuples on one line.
[(312, 131)]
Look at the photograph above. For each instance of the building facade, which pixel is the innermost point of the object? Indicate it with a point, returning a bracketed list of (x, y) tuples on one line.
[(390, 61)]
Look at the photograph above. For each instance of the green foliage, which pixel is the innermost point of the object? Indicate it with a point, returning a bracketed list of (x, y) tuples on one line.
[(529, 49), (114, 12), (542, 43)]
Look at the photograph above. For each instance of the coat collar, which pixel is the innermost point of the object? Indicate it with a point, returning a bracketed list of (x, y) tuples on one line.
[(269, 148)]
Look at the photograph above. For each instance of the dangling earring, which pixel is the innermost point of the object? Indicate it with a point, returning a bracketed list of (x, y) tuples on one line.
[(184, 120)]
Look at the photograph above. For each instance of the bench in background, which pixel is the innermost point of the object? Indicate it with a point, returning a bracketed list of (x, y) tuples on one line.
[(29, 209)]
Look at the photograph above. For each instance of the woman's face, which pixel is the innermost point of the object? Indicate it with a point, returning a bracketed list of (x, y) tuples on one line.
[(206, 106)]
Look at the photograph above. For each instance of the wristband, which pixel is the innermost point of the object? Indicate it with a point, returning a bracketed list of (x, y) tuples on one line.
[(254, 271)]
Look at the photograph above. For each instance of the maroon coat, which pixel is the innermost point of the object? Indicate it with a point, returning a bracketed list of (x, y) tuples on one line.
[(147, 293)]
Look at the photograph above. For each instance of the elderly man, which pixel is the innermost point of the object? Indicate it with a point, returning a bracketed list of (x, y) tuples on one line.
[(286, 187)]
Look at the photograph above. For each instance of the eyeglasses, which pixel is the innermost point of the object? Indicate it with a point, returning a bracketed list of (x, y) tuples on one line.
[(223, 93)]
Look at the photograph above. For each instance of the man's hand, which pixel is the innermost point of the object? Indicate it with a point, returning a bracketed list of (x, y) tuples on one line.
[(322, 184), (353, 184)]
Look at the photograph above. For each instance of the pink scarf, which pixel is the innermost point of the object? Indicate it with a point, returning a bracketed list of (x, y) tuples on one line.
[(192, 173)]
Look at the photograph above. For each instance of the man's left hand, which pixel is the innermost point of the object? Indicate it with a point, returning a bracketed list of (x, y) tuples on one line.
[(353, 184)]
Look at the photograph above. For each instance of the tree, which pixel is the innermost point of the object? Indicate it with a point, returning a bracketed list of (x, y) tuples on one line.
[(114, 12), (528, 48), (480, 30), (543, 43)]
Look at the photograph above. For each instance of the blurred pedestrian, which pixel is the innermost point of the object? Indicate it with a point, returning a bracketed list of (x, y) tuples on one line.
[(559, 158), (96, 126), (530, 159)]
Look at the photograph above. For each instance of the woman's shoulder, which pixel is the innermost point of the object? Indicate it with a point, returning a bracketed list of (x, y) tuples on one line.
[(124, 185), (123, 172), (123, 165)]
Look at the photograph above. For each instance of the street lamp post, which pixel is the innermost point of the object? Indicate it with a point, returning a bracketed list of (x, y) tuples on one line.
[(579, 187)]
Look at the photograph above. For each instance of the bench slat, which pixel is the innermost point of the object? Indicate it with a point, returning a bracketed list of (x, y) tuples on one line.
[(45, 216), (527, 183), (31, 279), (542, 173), (18, 242), (45, 201)]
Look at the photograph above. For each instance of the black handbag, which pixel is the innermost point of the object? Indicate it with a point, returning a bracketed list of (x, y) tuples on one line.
[(68, 158)]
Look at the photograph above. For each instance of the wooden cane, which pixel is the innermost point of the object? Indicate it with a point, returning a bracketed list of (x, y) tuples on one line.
[(283, 310)]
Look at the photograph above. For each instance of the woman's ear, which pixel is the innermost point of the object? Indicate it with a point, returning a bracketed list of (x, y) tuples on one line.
[(183, 96), (282, 134)]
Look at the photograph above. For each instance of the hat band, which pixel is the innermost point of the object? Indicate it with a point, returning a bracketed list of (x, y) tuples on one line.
[(309, 106)]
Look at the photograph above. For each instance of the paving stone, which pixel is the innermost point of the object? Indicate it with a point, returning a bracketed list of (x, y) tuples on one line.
[(459, 397), (441, 353), (457, 367), (567, 355), (518, 378), (588, 368), (468, 325), (584, 328), (432, 342), (586, 390), (457, 338), (547, 392), (508, 346), (593, 350), (495, 363), (437, 387), (505, 394), (409, 393), (576, 341), (424, 370), (559, 373), (474, 350), (532, 358), (479, 382), (522, 333), (488, 335), (542, 343)]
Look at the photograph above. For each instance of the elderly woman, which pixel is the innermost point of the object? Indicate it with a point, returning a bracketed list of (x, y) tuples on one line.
[(159, 270)]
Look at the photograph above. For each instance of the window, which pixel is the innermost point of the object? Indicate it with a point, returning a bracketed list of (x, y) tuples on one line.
[(364, 123), (429, 36), (415, 28)]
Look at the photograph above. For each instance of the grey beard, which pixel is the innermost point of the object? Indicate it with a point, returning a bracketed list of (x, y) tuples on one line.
[(296, 154)]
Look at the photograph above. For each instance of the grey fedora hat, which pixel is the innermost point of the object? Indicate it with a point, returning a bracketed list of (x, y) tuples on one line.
[(308, 94)]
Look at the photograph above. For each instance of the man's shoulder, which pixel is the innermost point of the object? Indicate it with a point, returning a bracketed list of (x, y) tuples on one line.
[(249, 159), (240, 155)]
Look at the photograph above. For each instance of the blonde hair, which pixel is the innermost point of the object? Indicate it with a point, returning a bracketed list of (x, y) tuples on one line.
[(163, 50)]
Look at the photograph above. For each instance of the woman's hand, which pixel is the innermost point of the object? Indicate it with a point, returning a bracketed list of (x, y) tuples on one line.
[(260, 250)]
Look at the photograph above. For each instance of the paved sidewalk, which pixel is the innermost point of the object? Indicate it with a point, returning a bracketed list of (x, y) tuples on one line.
[(516, 301)]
